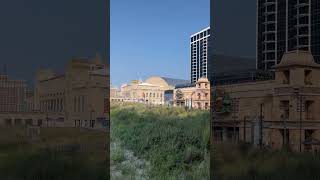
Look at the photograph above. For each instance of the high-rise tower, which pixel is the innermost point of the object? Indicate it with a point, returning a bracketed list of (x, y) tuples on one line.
[(199, 54), (286, 25)]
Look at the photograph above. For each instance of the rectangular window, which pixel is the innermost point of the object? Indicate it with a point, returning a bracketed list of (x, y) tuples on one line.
[(308, 77), (18, 122), (39, 122), (286, 75), (284, 107), (29, 122), (8, 122), (304, 20)]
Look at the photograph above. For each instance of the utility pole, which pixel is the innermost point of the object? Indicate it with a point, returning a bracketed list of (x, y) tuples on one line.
[(234, 120), (300, 133), (261, 127), (234, 128), (244, 129), (285, 132)]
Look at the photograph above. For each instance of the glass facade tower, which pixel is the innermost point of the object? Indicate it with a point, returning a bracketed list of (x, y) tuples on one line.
[(286, 25), (199, 54)]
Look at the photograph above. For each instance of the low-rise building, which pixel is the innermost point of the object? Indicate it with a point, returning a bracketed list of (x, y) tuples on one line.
[(143, 92), (154, 90), (115, 95), (193, 96), (77, 98), (276, 113)]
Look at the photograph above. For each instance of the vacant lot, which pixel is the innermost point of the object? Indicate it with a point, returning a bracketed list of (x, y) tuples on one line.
[(54, 154), (244, 162), (174, 142)]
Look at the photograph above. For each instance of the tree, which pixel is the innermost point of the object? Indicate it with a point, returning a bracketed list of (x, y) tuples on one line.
[(179, 97)]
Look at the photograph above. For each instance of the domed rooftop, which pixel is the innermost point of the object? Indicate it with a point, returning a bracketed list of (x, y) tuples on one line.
[(203, 80), (297, 58)]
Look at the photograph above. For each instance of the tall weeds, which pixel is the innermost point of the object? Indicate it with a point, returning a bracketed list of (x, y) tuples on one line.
[(174, 140)]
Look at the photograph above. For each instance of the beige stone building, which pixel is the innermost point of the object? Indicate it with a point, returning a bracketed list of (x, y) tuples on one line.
[(143, 92), (77, 98), (115, 95), (196, 96), (278, 113), (152, 91)]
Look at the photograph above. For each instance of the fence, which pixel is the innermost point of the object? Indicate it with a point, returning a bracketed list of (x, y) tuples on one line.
[(276, 134)]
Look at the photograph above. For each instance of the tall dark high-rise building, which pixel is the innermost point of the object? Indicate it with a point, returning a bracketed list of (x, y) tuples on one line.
[(199, 54), (286, 25)]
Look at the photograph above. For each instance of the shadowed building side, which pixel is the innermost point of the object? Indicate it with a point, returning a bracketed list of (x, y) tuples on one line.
[(78, 98), (279, 113)]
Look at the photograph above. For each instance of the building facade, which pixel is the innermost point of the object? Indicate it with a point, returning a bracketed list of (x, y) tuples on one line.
[(77, 98), (115, 95), (199, 54), (193, 96), (279, 113), (12, 95), (286, 25), (155, 91), (142, 92)]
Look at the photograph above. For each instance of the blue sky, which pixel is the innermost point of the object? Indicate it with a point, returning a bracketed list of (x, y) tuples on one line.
[(151, 37)]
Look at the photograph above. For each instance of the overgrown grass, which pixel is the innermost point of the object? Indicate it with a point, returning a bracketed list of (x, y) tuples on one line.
[(54, 156), (175, 141), (243, 162)]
